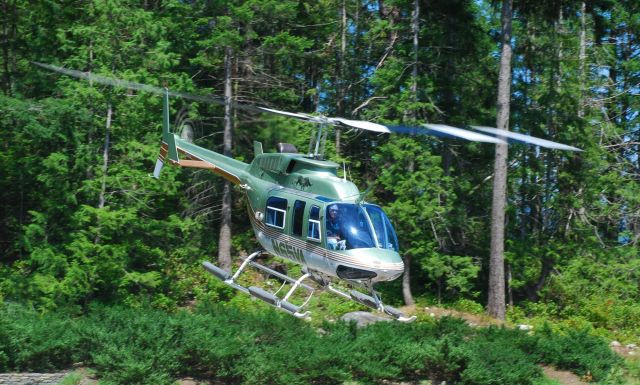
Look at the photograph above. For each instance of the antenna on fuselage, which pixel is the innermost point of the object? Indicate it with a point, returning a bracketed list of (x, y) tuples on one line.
[(344, 170), (364, 194)]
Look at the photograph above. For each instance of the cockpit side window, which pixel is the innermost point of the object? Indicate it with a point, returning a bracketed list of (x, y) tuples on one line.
[(314, 224), (276, 212)]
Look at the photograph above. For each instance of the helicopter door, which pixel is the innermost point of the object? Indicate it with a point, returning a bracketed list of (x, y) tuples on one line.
[(298, 215)]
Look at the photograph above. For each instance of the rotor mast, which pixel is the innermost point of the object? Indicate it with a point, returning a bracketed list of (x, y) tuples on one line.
[(318, 141)]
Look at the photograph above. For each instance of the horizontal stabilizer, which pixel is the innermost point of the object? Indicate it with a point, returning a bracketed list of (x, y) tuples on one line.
[(158, 168)]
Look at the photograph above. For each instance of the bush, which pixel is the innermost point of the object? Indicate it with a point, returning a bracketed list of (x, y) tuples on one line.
[(130, 346), (31, 341), (577, 351), (148, 346), (497, 359)]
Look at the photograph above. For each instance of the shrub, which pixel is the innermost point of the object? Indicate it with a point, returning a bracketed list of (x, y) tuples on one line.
[(577, 351), (31, 341), (130, 346), (148, 346), (497, 359)]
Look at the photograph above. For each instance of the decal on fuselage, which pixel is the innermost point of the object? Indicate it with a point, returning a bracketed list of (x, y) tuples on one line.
[(286, 250)]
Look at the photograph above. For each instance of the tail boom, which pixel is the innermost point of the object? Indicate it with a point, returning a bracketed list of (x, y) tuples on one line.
[(225, 167)]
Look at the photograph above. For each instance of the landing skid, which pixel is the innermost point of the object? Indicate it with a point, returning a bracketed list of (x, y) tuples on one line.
[(261, 294), (372, 301)]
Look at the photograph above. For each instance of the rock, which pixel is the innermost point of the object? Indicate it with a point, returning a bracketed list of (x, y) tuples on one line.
[(432, 315), (632, 346), (362, 318), (525, 327), (32, 378), (615, 344)]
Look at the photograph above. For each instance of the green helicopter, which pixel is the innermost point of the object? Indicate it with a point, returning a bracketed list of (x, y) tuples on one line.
[(301, 211)]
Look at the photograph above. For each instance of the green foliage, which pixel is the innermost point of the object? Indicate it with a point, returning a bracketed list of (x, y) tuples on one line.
[(72, 379), (498, 359), (577, 350), (468, 306), (125, 346), (150, 346), (33, 342)]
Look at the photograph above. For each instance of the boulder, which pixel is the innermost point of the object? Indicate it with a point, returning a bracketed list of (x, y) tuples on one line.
[(363, 318)]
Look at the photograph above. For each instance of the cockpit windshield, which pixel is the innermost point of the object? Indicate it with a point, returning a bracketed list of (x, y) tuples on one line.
[(352, 226), (385, 234)]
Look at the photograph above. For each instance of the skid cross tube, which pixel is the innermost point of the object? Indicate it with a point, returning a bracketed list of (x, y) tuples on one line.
[(295, 286), (278, 275), (244, 264)]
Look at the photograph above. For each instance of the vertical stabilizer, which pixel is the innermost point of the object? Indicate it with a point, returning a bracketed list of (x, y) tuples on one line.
[(257, 148), (168, 148), (167, 136)]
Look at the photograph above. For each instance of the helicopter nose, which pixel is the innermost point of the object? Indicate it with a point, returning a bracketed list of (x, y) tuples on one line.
[(376, 264)]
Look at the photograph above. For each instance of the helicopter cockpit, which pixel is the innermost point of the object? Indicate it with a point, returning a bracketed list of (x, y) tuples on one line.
[(358, 226)]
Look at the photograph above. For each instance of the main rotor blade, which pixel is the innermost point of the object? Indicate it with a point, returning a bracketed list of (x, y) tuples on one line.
[(102, 79), (304, 117), (526, 138), (460, 133), (115, 82), (429, 129), (362, 124)]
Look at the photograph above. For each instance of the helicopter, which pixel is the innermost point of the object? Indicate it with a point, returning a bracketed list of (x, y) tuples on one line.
[(300, 210)]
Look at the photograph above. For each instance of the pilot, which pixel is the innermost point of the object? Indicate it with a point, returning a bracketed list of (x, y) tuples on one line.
[(334, 230)]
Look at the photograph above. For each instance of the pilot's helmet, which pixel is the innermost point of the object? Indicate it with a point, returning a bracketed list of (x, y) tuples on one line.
[(333, 208)]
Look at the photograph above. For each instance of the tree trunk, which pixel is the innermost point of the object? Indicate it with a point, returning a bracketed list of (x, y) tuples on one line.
[(415, 29), (341, 69), (509, 289), (224, 240), (406, 282), (582, 57), (406, 278), (8, 37), (105, 157), (496, 300)]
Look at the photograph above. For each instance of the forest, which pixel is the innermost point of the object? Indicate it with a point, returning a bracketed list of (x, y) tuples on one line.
[(91, 244)]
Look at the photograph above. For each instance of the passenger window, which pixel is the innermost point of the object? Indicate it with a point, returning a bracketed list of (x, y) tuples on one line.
[(314, 224), (276, 212), (298, 214)]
